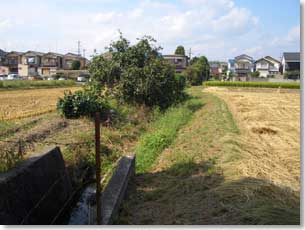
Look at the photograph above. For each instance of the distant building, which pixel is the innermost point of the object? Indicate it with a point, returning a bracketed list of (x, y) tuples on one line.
[(69, 58), (290, 61), (180, 62), (33, 63), (2, 57), (13, 59), (4, 70), (231, 68), (217, 69), (267, 66), (50, 63), (243, 65), (30, 63)]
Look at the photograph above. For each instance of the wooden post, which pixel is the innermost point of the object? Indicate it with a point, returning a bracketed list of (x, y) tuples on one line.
[(98, 168)]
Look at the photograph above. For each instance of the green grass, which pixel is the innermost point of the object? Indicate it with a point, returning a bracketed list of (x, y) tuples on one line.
[(286, 85), (34, 84), (191, 183), (163, 132)]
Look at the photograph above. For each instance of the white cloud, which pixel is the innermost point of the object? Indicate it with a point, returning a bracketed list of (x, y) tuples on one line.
[(217, 28), (104, 17), (5, 24)]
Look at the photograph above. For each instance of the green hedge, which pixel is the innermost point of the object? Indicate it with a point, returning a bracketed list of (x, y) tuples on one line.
[(34, 84), (286, 85)]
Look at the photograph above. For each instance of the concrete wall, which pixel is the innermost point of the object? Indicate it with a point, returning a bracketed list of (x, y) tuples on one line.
[(35, 191)]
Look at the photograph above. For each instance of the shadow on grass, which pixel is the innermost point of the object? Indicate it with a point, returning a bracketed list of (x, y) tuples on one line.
[(189, 193)]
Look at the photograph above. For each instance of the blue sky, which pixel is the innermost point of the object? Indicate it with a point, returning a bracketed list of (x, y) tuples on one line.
[(219, 29)]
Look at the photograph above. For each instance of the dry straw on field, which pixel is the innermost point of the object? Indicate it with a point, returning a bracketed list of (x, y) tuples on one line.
[(17, 104), (269, 121)]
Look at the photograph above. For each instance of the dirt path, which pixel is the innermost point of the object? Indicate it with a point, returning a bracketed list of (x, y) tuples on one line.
[(197, 179)]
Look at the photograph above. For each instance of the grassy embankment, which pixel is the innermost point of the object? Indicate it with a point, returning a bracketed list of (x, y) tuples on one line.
[(198, 180), (285, 85), (35, 84)]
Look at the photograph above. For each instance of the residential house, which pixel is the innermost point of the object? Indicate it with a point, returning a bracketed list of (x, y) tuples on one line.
[(180, 62), (13, 59), (2, 57), (244, 66), (215, 69), (69, 58), (30, 63), (4, 70), (50, 63), (290, 61), (267, 66), (231, 68)]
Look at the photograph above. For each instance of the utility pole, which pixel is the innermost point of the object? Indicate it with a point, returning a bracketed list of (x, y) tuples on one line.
[(98, 169), (78, 48), (190, 53)]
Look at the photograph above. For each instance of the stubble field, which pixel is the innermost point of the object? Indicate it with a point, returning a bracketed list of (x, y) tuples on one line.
[(16, 104), (269, 121)]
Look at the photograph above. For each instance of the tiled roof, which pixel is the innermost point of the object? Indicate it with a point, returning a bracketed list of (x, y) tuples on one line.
[(291, 56)]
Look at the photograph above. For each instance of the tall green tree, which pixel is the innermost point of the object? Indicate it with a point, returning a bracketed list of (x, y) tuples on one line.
[(180, 50), (204, 67), (137, 73)]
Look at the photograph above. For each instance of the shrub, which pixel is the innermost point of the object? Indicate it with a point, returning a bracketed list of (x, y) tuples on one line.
[(193, 75), (295, 74), (255, 74), (82, 103), (287, 85)]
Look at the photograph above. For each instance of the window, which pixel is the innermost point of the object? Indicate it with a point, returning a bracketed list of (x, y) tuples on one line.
[(31, 60)]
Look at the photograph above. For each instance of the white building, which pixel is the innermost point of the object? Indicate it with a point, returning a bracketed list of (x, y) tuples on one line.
[(267, 66)]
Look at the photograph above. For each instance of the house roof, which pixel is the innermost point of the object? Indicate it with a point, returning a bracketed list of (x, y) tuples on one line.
[(273, 59), (2, 52), (34, 53), (53, 54), (72, 55), (261, 59), (231, 61), (14, 53), (291, 56), (244, 56)]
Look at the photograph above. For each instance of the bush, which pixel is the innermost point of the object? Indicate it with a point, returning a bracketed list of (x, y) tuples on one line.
[(193, 75), (82, 103), (295, 74), (255, 74), (287, 85)]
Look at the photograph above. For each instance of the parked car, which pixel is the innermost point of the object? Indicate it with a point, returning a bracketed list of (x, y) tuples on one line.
[(3, 77), (83, 77), (51, 79), (61, 79), (14, 76)]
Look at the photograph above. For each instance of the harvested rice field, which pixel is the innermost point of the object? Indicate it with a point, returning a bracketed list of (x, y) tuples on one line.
[(15, 104), (269, 121), (236, 162)]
